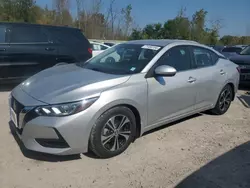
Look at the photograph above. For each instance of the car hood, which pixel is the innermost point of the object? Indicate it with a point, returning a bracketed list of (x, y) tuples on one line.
[(67, 83), (240, 59)]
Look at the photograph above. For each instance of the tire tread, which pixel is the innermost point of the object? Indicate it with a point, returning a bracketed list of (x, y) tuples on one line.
[(92, 140)]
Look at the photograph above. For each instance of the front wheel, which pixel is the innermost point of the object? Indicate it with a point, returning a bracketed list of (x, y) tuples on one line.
[(113, 132), (224, 101)]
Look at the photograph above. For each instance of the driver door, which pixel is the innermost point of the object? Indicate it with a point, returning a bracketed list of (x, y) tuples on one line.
[(170, 98)]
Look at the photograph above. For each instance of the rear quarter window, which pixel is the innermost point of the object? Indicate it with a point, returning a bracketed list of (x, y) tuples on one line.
[(203, 57), (69, 36)]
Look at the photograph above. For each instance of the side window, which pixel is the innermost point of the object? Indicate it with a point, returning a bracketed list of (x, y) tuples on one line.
[(2, 34), (68, 36), (24, 34), (203, 57), (177, 57)]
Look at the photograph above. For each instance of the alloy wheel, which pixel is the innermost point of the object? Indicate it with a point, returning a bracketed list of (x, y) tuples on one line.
[(225, 99), (116, 132)]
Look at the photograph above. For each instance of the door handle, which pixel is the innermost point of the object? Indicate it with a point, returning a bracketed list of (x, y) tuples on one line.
[(191, 79), (3, 50), (50, 49), (222, 72)]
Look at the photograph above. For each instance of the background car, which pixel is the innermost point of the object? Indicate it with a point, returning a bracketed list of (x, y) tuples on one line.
[(231, 50), (241, 45), (218, 48), (98, 48), (109, 43), (105, 103), (243, 60), (26, 49)]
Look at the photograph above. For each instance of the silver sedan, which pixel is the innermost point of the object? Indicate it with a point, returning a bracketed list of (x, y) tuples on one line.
[(105, 103)]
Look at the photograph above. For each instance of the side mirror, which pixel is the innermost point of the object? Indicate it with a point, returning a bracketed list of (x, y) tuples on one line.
[(165, 70)]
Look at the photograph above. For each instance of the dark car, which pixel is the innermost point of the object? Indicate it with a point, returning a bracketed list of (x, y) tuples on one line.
[(243, 60), (231, 50), (109, 43), (216, 47), (26, 49)]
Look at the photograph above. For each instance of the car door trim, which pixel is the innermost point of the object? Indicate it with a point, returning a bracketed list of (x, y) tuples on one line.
[(175, 118)]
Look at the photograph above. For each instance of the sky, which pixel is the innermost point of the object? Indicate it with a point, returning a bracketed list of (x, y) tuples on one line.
[(234, 14)]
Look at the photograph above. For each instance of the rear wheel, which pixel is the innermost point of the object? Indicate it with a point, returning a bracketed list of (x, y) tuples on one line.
[(113, 132), (224, 101)]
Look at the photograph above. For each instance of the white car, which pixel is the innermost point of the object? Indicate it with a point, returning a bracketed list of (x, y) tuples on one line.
[(98, 48)]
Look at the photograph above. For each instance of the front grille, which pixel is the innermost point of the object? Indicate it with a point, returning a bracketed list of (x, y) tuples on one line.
[(24, 114), (16, 106)]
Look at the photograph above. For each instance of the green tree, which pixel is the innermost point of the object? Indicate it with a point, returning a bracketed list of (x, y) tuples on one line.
[(136, 34), (24, 9), (197, 25), (128, 19), (17, 10)]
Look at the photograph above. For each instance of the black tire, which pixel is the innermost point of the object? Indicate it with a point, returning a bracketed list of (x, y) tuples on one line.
[(102, 130), (227, 93)]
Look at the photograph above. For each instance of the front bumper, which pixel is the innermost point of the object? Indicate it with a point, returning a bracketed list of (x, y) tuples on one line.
[(54, 135)]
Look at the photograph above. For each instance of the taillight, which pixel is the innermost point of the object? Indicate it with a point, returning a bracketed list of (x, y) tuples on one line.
[(238, 69), (90, 50)]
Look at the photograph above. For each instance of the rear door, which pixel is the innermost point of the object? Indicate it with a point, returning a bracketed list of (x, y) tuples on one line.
[(30, 51), (72, 45), (4, 48), (209, 76)]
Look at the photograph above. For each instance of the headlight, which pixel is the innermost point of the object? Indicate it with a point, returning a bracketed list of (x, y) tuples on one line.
[(65, 109)]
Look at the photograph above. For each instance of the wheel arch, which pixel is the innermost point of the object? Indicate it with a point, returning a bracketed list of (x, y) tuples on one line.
[(134, 107), (233, 89)]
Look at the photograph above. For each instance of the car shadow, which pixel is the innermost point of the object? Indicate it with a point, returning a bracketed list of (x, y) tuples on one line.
[(244, 87), (230, 170), (37, 155), (245, 99)]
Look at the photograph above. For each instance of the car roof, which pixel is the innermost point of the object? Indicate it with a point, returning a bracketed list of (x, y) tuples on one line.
[(31, 24), (159, 42)]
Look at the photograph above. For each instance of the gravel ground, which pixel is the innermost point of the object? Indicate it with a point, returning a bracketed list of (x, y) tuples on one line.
[(201, 151)]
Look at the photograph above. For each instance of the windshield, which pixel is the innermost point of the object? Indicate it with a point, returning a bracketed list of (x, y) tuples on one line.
[(232, 49), (122, 59), (245, 51)]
